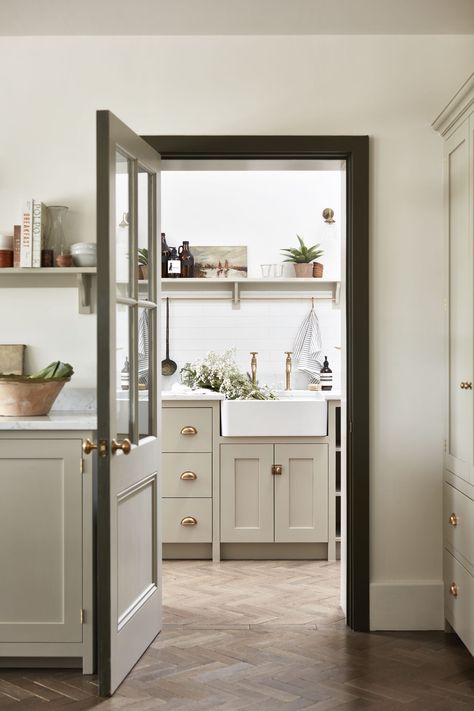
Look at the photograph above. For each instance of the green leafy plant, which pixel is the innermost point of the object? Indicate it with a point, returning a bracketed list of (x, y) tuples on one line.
[(143, 256), (304, 255)]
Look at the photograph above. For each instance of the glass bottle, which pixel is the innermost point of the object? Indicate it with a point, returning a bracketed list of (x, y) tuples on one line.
[(326, 375), (187, 260), (56, 239), (165, 253), (125, 375)]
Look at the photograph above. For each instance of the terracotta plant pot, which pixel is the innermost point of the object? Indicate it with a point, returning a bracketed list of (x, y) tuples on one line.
[(318, 269), (21, 397), (303, 270)]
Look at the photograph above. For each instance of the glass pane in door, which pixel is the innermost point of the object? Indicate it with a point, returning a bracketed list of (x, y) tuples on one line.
[(122, 224), (122, 368), (145, 377), (146, 239)]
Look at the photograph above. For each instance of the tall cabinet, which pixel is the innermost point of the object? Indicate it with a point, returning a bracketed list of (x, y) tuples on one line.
[(456, 126)]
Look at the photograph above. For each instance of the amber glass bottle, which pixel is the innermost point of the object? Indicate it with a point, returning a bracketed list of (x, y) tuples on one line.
[(187, 261), (165, 255)]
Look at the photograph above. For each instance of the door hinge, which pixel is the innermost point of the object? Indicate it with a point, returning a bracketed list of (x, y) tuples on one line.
[(81, 466), (350, 426), (82, 616)]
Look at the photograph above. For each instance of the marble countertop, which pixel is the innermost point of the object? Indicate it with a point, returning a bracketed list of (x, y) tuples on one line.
[(56, 420), (194, 395)]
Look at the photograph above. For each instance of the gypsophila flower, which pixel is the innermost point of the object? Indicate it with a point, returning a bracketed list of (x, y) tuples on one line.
[(219, 372)]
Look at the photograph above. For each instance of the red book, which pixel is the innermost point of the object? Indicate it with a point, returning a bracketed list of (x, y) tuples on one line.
[(16, 245)]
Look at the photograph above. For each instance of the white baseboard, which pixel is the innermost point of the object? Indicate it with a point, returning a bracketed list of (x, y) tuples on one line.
[(407, 605)]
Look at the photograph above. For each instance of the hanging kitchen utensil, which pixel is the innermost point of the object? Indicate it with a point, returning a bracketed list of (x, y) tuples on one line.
[(168, 366)]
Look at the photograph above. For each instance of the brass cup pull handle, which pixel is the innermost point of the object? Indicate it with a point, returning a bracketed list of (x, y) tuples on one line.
[(88, 446), (189, 521), (453, 520), (453, 590), (125, 445), (277, 469), (189, 430), (188, 476)]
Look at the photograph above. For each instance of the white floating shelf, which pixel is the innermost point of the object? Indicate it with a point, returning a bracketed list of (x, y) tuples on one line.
[(53, 277), (237, 290)]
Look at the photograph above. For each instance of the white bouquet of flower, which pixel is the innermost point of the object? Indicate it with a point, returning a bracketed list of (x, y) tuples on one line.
[(220, 373)]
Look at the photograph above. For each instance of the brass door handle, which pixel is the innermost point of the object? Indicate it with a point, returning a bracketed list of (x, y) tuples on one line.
[(453, 520), (277, 469), (189, 521), (189, 430), (125, 445), (188, 476), (88, 446), (453, 590)]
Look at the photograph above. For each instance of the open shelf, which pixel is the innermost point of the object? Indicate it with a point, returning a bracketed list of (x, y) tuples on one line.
[(237, 290), (81, 277)]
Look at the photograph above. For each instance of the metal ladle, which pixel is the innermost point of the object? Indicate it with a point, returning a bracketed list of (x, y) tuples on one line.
[(168, 366)]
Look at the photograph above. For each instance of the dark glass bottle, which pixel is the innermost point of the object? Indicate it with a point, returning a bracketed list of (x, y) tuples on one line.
[(165, 253), (326, 375), (174, 264), (187, 261)]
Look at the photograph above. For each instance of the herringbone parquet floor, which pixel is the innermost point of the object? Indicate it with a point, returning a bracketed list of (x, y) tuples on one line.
[(263, 636)]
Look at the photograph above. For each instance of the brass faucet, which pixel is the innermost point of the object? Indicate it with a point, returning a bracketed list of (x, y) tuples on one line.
[(288, 369), (253, 366)]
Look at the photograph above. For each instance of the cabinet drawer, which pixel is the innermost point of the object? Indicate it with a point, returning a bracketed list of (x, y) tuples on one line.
[(175, 510), (459, 610), (459, 523), (187, 429), (187, 474)]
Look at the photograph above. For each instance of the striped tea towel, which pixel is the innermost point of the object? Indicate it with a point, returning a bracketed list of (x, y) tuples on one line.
[(308, 347), (143, 348)]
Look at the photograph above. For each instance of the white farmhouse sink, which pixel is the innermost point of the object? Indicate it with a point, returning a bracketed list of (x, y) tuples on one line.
[(294, 415)]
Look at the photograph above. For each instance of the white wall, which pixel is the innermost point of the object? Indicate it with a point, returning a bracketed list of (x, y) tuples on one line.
[(386, 86)]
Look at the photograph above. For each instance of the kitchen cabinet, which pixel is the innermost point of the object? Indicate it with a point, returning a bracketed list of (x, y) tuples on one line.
[(187, 475), (456, 126), (45, 547), (274, 493)]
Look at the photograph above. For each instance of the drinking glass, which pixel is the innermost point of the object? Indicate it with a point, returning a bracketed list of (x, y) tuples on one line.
[(265, 270), (277, 270)]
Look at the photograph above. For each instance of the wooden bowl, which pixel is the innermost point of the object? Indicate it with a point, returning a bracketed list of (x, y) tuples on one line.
[(22, 397)]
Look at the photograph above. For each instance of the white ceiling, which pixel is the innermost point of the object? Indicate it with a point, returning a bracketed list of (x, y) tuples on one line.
[(235, 17)]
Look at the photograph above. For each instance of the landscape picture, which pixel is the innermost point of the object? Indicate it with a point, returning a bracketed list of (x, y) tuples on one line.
[(219, 262)]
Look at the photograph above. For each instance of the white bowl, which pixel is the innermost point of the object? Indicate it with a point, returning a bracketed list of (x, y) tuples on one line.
[(84, 260), (84, 247)]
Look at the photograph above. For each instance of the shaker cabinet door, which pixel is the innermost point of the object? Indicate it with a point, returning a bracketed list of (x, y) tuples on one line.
[(246, 493), (40, 541), (301, 493)]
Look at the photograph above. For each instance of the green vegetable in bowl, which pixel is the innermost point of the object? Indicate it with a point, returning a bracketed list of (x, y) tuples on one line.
[(56, 369)]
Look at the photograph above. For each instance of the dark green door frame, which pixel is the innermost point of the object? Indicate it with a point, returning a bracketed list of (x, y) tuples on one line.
[(355, 151)]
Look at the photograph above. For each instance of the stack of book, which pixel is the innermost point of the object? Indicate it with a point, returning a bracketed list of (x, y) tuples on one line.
[(29, 237)]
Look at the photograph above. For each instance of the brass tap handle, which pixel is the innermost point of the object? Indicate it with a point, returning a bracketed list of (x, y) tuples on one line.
[(288, 370), (253, 366), (189, 521), (88, 446), (125, 445), (453, 520), (453, 590), (189, 430), (188, 476)]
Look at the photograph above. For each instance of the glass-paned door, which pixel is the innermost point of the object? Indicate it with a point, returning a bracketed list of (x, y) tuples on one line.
[(129, 554)]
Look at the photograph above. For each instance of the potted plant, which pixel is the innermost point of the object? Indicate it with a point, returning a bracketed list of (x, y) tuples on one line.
[(303, 257), (143, 263)]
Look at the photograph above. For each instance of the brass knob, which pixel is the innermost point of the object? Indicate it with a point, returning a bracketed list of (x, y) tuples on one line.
[(453, 590), (189, 430), (463, 385), (453, 520), (188, 521), (188, 476), (277, 469), (468, 386), (125, 445), (88, 446)]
